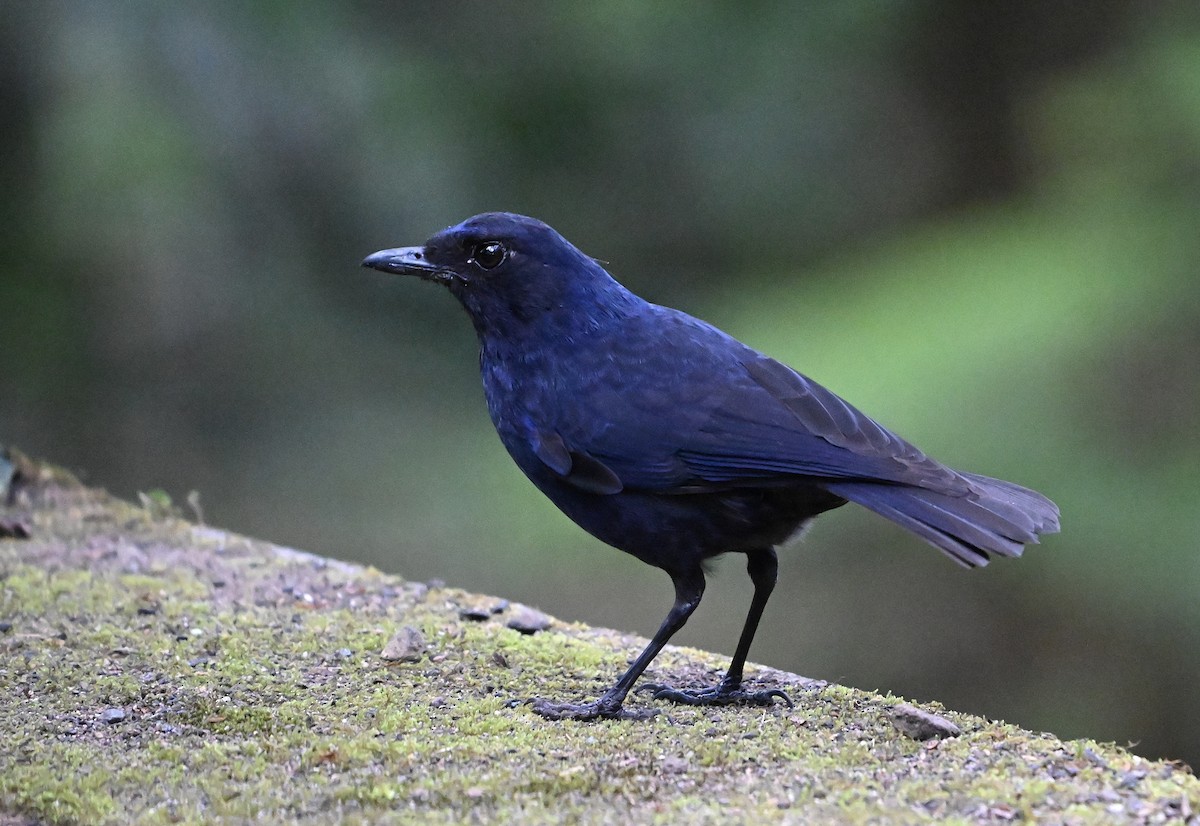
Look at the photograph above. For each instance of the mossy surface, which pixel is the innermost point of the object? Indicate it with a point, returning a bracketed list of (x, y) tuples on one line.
[(157, 671)]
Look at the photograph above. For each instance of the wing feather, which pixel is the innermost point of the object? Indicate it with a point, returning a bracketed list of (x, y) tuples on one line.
[(723, 413)]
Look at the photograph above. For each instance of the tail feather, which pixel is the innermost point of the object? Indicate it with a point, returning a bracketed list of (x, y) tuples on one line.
[(994, 517)]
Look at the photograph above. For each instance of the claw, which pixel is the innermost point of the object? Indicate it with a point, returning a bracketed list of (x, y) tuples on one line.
[(775, 692)]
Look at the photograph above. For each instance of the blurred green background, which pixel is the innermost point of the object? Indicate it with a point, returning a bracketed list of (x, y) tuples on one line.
[(978, 222)]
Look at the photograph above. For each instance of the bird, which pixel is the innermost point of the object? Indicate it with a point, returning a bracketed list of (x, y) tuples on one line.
[(666, 438)]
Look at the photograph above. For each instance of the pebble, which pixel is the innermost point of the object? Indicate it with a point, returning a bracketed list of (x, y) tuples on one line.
[(920, 724), (527, 620), (481, 611), (407, 646), (14, 529)]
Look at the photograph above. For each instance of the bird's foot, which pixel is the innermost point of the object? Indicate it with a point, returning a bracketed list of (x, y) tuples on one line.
[(601, 709), (723, 694)]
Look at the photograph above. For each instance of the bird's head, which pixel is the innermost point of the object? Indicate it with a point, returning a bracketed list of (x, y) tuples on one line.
[(511, 273)]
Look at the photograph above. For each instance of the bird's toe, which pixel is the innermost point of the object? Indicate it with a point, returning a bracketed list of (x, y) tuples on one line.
[(718, 695), (598, 710)]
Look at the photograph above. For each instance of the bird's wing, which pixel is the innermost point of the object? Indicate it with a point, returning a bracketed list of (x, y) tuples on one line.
[(775, 421), (719, 414)]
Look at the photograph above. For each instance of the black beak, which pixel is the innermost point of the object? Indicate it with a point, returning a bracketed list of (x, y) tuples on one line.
[(405, 261)]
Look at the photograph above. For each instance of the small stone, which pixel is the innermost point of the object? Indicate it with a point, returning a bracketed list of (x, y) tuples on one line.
[(14, 529), (407, 646), (1062, 772), (919, 724), (5, 627), (1131, 779), (344, 653), (475, 613), (1090, 754), (527, 620), (112, 715), (674, 765)]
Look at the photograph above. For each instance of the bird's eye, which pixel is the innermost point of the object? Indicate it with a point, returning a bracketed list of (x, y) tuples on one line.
[(489, 254)]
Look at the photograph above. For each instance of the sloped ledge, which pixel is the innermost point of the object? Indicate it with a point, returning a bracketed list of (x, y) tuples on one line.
[(159, 671)]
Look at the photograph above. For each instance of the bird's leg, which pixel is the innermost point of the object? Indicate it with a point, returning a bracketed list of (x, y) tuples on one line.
[(688, 591), (763, 567)]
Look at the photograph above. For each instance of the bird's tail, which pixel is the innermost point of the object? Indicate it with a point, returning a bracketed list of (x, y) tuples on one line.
[(994, 517)]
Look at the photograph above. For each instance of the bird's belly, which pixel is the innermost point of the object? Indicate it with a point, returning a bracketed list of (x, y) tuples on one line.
[(676, 532)]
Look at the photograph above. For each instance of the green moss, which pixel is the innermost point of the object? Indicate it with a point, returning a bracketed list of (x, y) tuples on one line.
[(62, 789), (251, 687)]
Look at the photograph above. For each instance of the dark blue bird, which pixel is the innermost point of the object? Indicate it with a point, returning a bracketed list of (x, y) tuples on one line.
[(668, 439)]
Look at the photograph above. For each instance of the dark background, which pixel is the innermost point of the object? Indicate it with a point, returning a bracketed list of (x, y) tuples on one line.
[(977, 221)]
